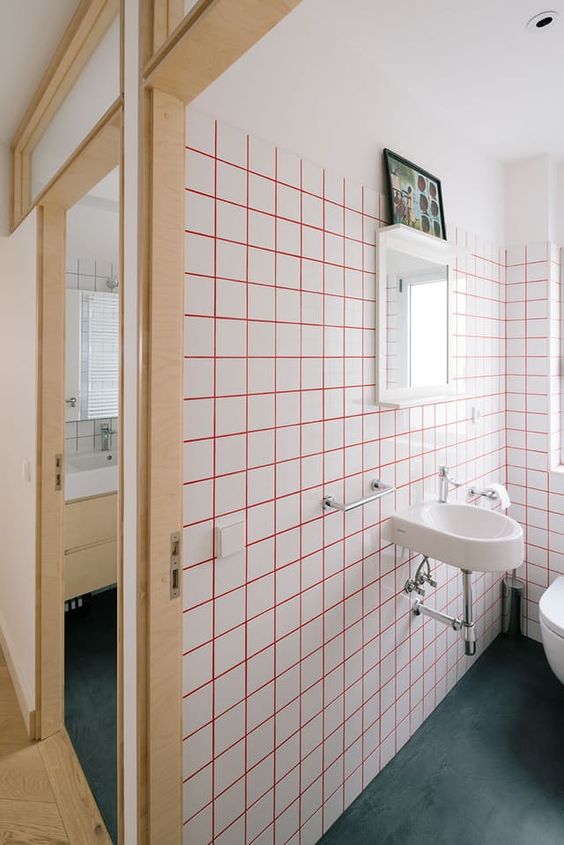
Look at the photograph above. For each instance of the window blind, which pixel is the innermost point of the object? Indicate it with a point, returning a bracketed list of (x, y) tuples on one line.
[(100, 355)]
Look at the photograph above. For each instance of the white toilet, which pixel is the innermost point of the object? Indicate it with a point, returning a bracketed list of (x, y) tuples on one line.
[(551, 613)]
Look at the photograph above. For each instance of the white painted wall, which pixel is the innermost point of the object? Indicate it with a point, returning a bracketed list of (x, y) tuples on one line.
[(527, 200), (18, 373), (304, 89), (557, 177), (534, 200), (29, 35), (93, 231)]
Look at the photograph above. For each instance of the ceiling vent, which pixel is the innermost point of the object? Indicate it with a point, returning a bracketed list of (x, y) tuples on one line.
[(542, 21)]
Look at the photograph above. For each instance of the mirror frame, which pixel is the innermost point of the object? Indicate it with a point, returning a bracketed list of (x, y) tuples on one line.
[(416, 244)]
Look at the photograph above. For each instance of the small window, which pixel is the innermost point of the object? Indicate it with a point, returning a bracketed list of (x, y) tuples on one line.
[(420, 310), (428, 347)]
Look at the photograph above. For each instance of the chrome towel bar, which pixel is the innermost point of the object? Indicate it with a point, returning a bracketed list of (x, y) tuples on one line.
[(379, 488)]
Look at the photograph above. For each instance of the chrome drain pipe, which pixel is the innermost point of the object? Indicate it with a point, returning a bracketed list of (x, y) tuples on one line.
[(453, 621), (468, 626)]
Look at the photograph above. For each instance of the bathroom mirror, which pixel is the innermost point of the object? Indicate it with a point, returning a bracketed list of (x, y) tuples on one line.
[(414, 327)]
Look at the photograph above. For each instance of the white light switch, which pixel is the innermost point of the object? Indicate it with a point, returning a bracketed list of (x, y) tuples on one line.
[(26, 470), (229, 539)]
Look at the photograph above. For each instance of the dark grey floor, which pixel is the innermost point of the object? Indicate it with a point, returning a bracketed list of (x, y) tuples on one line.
[(90, 698), (486, 768)]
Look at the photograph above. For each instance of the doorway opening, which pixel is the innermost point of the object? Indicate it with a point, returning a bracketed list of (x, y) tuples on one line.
[(91, 448)]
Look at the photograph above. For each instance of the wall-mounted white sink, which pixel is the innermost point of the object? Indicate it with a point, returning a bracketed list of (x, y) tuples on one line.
[(472, 538), (90, 474)]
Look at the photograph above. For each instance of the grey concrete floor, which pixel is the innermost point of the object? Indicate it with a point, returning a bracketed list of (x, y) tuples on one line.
[(90, 698), (486, 768)]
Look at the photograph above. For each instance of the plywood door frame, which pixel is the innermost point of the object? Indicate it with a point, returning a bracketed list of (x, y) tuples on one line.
[(51, 250), (206, 42), (160, 18), (160, 479), (94, 159), (88, 26), (121, 485), (89, 163)]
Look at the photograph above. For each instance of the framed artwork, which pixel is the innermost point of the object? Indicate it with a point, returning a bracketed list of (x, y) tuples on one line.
[(415, 196)]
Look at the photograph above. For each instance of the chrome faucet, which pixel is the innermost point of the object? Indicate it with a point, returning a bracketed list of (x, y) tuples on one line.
[(107, 432), (445, 483)]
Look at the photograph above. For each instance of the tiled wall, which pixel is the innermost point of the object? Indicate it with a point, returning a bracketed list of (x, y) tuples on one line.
[(85, 435), (304, 671), (533, 415), (87, 274)]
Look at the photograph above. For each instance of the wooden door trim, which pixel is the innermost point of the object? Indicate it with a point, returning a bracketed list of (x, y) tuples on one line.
[(160, 479), (95, 158), (208, 40), (161, 17), (51, 249)]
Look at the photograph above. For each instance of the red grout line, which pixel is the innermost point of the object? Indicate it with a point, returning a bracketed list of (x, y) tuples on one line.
[(214, 424)]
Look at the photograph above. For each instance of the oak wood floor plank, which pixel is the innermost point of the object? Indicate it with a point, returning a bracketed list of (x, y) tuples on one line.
[(23, 776), (12, 727), (79, 812), (44, 796), (7, 692), (9, 748), (32, 823)]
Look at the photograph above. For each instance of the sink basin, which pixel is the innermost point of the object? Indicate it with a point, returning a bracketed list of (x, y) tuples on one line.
[(85, 461), (90, 474), (466, 536)]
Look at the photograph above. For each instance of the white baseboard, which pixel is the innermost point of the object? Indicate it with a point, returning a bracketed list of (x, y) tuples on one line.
[(27, 714)]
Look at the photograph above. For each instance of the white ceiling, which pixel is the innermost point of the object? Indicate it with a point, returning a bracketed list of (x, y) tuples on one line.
[(460, 85), (473, 63), (30, 31)]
